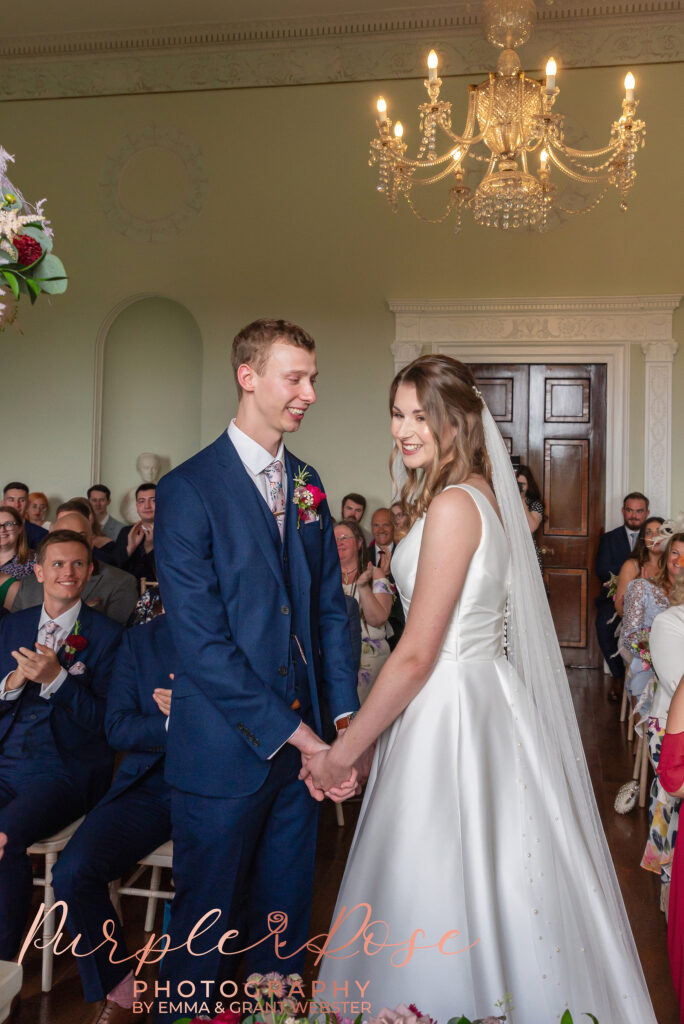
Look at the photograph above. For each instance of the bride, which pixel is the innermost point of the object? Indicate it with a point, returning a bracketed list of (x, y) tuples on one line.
[(479, 871)]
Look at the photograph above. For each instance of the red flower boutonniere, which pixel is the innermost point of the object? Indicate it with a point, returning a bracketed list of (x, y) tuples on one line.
[(74, 643), (307, 498)]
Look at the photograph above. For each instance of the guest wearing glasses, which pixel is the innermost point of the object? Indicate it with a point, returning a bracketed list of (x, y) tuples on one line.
[(16, 558), (400, 521), (15, 494), (374, 593)]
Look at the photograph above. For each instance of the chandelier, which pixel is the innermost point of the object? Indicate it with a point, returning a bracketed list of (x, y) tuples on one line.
[(512, 132)]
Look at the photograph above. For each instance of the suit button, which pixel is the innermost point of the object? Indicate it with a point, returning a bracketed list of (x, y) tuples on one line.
[(32, 717), (283, 670), (285, 610)]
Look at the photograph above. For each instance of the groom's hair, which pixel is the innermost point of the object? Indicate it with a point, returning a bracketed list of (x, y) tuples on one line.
[(252, 344)]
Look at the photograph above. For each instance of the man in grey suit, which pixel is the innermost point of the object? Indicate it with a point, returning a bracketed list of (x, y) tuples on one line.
[(111, 591), (100, 498)]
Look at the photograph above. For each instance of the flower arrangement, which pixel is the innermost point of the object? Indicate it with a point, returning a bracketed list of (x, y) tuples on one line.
[(73, 644), (274, 1003), (307, 497), (27, 263), (611, 585), (640, 645)]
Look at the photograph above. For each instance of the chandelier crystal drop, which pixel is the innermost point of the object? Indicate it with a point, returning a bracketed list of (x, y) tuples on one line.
[(510, 127)]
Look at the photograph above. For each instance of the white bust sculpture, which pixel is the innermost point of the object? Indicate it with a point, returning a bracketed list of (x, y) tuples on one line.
[(148, 466)]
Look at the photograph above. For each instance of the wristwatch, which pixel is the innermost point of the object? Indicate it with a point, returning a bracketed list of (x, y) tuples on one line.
[(345, 721)]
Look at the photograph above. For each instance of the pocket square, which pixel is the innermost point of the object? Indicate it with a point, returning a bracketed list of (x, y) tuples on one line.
[(77, 669)]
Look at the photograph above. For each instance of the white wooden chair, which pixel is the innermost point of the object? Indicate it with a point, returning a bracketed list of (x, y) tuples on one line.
[(160, 858), (50, 848)]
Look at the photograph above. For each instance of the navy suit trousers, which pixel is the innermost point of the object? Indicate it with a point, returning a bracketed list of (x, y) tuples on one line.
[(36, 800), (114, 836), (248, 857)]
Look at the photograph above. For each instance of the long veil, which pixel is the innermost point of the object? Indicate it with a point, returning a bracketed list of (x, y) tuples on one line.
[(574, 830)]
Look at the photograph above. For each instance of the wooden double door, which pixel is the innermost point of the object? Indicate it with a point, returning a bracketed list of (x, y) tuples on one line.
[(554, 418)]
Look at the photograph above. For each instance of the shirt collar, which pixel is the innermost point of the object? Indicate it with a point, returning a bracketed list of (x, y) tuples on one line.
[(66, 621), (254, 457)]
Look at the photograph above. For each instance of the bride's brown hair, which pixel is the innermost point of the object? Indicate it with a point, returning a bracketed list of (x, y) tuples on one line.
[(448, 396)]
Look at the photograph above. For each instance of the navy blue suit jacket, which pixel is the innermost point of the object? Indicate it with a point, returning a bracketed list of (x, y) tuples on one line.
[(222, 583), (613, 551), (77, 709), (34, 535), (133, 721)]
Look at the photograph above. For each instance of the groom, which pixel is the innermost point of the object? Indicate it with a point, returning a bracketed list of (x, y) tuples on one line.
[(252, 593)]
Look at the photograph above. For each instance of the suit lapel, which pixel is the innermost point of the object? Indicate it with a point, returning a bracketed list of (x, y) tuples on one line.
[(254, 511)]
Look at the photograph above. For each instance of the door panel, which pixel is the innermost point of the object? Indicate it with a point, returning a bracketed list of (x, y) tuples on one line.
[(553, 417)]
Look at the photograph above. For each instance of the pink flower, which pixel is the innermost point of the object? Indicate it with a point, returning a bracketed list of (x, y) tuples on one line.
[(227, 1017), (317, 494), (402, 1015)]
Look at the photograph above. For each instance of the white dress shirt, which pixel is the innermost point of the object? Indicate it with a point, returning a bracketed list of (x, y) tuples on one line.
[(631, 537), (65, 623), (378, 551)]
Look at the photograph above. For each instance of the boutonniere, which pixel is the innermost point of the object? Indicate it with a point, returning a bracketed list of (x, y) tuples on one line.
[(74, 643), (307, 497)]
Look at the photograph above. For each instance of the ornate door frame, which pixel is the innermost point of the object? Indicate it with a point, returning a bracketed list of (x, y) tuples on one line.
[(566, 330)]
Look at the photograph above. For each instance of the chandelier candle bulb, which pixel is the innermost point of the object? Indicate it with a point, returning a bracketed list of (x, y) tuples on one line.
[(398, 130), (550, 74), (629, 87), (432, 63), (382, 110)]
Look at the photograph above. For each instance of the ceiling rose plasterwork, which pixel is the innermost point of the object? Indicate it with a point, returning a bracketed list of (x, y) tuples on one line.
[(325, 49), (121, 190)]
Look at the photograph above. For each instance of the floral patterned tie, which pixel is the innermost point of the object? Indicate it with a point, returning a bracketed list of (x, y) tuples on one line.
[(50, 628), (274, 475)]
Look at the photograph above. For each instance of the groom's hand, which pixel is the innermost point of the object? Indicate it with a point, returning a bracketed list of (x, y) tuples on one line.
[(324, 776)]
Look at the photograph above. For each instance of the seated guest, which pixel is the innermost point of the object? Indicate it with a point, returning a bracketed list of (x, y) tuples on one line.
[(532, 504), (374, 594), (37, 509), (401, 521), (644, 599), (130, 821), (110, 590), (135, 544), (102, 545), (671, 774), (15, 494), (100, 498), (614, 548), (354, 507), (667, 654), (16, 557), (9, 588), (380, 552), (644, 561), (55, 665)]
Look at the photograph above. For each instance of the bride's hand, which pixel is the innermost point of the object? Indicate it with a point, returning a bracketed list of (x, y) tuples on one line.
[(325, 777)]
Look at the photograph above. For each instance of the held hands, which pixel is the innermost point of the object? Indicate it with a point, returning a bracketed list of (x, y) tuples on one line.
[(311, 747), (39, 666), (325, 777)]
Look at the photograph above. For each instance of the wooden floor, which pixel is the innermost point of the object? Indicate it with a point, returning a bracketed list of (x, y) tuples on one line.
[(610, 764)]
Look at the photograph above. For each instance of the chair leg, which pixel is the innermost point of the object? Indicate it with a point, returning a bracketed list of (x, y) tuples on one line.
[(339, 814), (637, 758), (630, 726), (643, 772), (152, 900), (48, 923), (623, 706)]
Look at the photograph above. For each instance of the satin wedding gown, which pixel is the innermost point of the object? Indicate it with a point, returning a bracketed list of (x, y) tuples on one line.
[(458, 832)]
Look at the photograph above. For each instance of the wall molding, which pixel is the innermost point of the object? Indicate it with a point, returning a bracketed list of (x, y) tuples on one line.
[(658, 421), (329, 49), (559, 330)]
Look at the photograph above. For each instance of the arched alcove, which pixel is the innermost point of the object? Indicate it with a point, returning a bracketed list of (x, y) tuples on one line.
[(151, 380)]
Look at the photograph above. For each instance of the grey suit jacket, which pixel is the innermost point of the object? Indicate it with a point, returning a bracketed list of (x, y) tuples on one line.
[(111, 591), (112, 527)]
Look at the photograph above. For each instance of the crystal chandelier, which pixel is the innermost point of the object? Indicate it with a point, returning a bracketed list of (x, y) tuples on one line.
[(511, 128)]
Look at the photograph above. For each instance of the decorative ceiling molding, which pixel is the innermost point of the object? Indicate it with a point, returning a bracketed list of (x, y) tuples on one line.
[(327, 49)]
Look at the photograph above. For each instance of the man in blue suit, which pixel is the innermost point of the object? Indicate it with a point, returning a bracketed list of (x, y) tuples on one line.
[(249, 571), (614, 549), (55, 665), (15, 494), (130, 821)]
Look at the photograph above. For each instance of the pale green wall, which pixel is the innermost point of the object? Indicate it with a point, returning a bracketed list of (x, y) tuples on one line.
[(292, 226)]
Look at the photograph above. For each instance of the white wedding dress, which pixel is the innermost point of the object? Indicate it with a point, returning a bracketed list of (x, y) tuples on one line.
[(460, 831)]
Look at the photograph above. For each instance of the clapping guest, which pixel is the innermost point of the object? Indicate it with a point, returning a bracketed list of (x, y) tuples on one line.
[(15, 494), (644, 560), (130, 821), (55, 664), (380, 553), (37, 509), (16, 558), (374, 593), (532, 504), (135, 544), (100, 498)]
